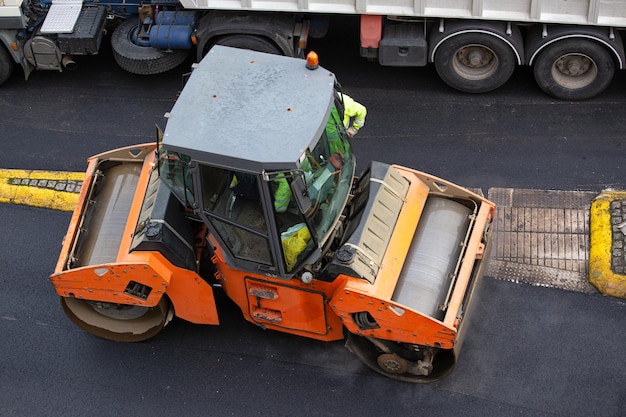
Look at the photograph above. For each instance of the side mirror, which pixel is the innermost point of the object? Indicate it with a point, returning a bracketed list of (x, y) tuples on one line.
[(159, 136)]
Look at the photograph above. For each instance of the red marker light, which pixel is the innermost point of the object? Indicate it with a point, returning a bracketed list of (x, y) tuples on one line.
[(312, 60)]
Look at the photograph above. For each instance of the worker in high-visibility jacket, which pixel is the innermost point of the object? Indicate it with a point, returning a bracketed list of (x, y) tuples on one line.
[(353, 119), (353, 115)]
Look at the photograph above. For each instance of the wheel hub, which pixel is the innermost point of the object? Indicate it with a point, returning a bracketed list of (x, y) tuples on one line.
[(392, 363), (475, 62), (574, 71), (475, 56), (573, 64)]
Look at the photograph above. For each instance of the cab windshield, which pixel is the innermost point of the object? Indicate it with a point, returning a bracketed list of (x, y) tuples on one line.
[(328, 171)]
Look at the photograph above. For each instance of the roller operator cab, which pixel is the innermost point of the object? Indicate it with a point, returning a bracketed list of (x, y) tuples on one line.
[(251, 190)]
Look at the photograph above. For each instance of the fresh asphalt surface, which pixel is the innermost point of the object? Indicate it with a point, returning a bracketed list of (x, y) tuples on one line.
[(530, 351)]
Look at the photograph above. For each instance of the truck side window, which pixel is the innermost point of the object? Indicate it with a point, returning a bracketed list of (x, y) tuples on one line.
[(230, 199)]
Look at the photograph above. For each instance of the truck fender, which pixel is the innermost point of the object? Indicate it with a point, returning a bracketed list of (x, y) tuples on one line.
[(7, 37), (475, 57), (541, 36), (277, 28), (507, 32)]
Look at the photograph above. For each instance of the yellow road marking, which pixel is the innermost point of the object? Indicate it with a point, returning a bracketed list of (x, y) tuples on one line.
[(56, 190), (601, 246)]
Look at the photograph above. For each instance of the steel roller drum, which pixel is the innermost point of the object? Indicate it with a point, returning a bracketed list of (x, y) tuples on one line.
[(106, 221), (435, 250)]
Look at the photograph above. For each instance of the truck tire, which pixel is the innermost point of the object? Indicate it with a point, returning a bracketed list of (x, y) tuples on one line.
[(142, 60), (252, 42), (6, 65), (474, 62), (574, 69)]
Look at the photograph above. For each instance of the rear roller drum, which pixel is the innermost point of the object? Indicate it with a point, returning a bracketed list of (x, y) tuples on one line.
[(399, 362), (118, 322)]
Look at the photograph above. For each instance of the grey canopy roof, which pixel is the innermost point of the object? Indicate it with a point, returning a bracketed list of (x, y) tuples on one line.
[(249, 110)]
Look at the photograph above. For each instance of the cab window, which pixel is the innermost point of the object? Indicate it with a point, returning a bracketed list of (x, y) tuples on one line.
[(295, 237), (174, 171), (231, 202)]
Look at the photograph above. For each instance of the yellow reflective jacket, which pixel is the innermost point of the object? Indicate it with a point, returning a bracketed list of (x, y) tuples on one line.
[(282, 194), (353, 112)]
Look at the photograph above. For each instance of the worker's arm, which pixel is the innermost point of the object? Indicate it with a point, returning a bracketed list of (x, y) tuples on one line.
[(354, 115)]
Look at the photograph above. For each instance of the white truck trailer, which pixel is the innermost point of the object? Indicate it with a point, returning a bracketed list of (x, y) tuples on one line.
[(574, 46)]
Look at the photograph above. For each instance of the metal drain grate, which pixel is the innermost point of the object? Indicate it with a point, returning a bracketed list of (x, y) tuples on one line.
[(541, 237)]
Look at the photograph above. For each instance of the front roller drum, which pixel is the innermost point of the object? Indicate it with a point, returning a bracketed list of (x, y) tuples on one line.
[(118, 322), (396, 361)]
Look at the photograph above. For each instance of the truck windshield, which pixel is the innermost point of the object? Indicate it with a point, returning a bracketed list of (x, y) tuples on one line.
[(175, 173), (328, 171)]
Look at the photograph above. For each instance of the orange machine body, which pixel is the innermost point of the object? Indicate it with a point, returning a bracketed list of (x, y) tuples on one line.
[(317, 310), (191, 296), (276, 218)]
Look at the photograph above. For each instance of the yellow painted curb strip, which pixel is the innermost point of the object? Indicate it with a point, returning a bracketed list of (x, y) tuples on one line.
[(600, 248), (56, 190)]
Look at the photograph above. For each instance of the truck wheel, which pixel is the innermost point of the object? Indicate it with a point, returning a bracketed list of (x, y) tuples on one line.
[(254, 43), (574, 69), (118, 322), (474, 62), (6, 65), (142, 60)]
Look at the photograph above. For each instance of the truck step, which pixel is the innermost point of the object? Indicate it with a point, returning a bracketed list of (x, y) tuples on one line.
[(62, 16)]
